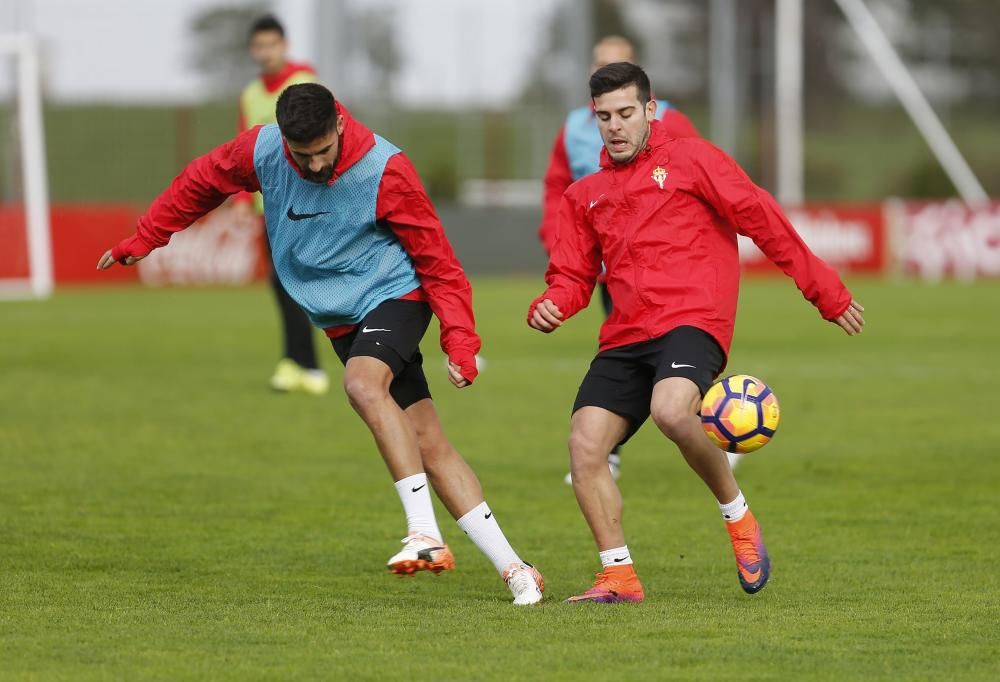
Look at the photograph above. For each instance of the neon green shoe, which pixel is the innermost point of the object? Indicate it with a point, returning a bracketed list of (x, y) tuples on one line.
[(287, 376), (314, 382)]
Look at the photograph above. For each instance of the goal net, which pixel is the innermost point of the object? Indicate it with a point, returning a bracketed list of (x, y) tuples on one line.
[(25, 248)]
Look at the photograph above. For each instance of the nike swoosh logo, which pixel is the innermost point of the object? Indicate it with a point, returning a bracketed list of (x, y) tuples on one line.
[(366, 330), (674, 365), (748, 576), (488, 515), (417, 488), (292, 215), (594, 202), (428, 554), (622, 559)]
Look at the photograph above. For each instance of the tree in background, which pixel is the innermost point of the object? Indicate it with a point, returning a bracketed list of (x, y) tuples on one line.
[(380, 49), (968, 27), (220, 45), (547, 88)]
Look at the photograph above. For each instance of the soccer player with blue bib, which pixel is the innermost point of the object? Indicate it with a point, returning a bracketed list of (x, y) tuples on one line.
[(356, 242), (576, 153)]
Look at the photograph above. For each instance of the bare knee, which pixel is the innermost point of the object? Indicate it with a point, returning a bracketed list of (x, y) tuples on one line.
[(673, 419), (364, 392), (586, 451)]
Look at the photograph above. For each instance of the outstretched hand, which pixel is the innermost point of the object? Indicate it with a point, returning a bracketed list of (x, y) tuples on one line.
[(850, 320), (546, 317), (107, 260)]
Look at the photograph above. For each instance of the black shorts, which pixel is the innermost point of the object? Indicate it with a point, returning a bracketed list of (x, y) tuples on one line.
[(392, 333), (621, 379)]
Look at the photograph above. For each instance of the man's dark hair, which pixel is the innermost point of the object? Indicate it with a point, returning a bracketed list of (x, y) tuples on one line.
[(617, 76), (268, 22), (306, 112)]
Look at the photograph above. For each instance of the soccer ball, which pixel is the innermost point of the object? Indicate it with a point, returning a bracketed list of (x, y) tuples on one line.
[(740, 413)]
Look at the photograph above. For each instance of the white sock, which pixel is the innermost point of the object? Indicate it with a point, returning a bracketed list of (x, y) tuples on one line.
[(415, 495), (735, 510), (482, 528), (619, 556), (734, 459)]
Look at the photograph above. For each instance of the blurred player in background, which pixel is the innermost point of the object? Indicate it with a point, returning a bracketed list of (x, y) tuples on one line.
[(576, 153), (357, 243), (298, 369), (662, 216)]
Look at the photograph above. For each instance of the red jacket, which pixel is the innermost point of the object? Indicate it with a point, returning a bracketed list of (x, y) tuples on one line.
[(558, 175), (402, 204), (665, 226)]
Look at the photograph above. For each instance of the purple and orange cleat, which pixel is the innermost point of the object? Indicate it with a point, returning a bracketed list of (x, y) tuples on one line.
[(752, 563), (614, 584)]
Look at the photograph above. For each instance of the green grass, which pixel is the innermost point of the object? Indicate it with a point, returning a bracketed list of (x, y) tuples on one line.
[(163, 516)]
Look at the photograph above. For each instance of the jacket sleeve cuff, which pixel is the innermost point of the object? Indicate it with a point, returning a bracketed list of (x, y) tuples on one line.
[(549, 294), (131, 246), (531, 308), (466, 361), (838, 308)]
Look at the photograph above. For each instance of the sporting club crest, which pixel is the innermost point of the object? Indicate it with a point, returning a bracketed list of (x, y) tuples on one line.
[(659, 175)]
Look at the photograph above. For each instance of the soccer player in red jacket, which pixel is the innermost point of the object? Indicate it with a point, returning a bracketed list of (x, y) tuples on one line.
[(576, 153), (663, 215), (357, 244)]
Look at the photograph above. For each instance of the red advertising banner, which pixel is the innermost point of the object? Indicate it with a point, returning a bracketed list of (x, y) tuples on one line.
[(931, 240), (948, 239), (13, 242), (81, 233), (850, 238), (221, 249)]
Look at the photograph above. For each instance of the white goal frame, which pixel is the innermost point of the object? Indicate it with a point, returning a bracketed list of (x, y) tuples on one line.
[(23, 48)]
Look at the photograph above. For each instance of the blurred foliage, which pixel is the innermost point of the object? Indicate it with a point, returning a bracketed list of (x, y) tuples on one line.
[(974, 48), (379, 40), (923, 180), (545, 87), (609, 20), (220, 44)]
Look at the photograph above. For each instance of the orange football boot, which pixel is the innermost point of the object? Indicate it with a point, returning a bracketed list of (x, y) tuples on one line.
[(421, 553), (613, 585), (752, 562)]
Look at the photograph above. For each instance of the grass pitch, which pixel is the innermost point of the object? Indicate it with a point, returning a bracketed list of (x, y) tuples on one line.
[(163, 516)]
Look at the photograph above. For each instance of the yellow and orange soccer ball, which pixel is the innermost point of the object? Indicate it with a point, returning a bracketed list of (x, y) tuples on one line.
[(740, 413)]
